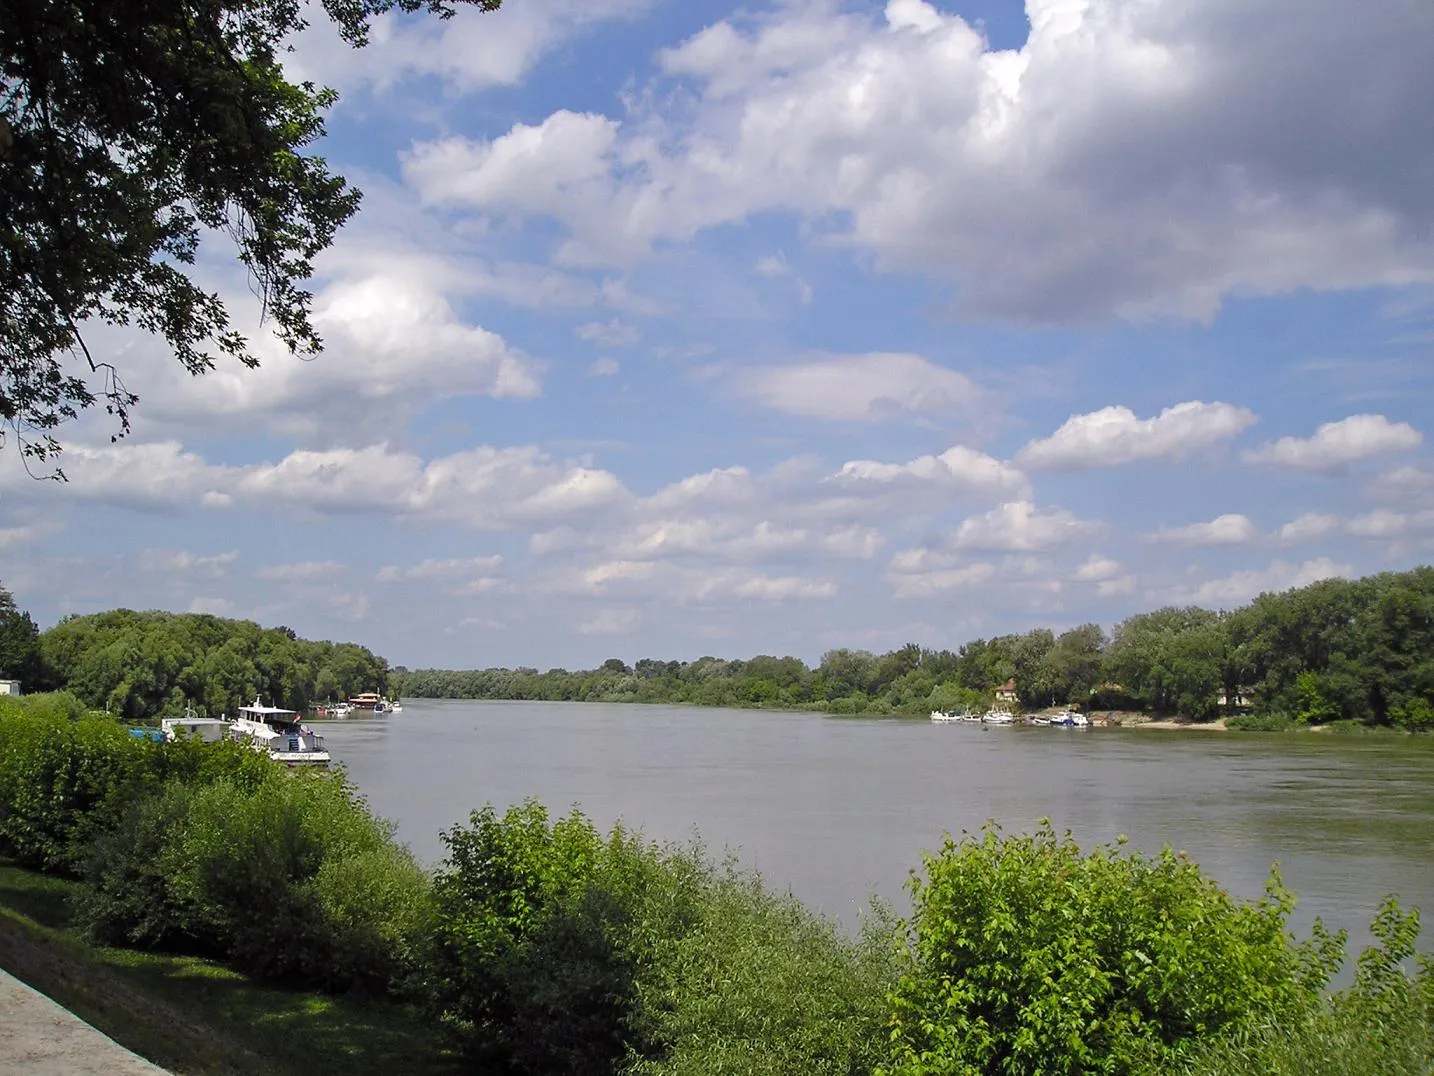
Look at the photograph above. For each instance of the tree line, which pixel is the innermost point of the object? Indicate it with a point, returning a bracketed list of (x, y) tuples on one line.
[(153, 664), (1358, 651)]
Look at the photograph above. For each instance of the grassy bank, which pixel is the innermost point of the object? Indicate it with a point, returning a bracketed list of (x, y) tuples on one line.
[(195, 1016)]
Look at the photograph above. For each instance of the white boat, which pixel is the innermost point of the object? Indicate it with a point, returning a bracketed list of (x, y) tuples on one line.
[(279, 733), (1070, 720), (946, 717), (1038, 719), (998, 717), (382, 706), (340, 709), (192, 726), (395, 707)]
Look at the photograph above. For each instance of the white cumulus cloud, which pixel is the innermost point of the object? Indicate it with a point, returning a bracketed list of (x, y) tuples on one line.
[(1239, 587), (1114, 435), (1129, 159), (861, 388), (1229, 529), (1021, 527), (1336, 444)]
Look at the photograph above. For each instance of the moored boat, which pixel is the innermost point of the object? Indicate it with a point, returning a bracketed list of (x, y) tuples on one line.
[(999, 717), (947, 717), (191, 725), (279, 734)]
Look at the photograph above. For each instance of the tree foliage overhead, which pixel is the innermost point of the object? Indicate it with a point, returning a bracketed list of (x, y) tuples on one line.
[(128, 130), (1340, 650)]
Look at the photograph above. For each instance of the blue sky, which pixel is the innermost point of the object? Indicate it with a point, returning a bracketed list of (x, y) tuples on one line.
[(671, 329)]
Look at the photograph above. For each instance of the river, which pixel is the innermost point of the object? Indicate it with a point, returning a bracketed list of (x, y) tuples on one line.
[(838, 808)]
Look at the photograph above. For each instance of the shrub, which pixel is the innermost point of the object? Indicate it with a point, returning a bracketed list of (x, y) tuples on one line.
[(1271, 722), (289, 877), (761, 986), (559, 950), (1382, 1025), (57, 770), (531, 969), (67, 776), (1027, 955)]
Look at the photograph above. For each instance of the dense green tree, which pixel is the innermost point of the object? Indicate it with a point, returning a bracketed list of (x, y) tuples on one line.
[(146, 664), (1337, 650), (1072, 665), (129, 130), (20, 657)]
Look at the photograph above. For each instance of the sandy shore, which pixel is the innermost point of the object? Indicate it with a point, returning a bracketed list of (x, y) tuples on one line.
[(1141, 721)]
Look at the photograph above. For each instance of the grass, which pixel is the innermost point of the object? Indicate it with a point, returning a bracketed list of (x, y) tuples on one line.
[(193, 1016)]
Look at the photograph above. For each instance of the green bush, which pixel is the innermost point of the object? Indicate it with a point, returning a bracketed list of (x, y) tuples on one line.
[(67, 776), (1272, 722), (289, 877), (57, 771), (1027, 955), (531, 969), (1382, 1025), (559, 950), (760, 986)]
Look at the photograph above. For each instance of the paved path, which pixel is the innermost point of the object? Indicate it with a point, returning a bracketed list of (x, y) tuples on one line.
[(39, 1038)]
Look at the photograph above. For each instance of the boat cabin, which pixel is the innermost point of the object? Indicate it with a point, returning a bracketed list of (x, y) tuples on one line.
[(207, 729)]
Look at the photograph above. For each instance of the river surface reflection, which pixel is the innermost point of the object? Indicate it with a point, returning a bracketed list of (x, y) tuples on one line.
[(838, 808)]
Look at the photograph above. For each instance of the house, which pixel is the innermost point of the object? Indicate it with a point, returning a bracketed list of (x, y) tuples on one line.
[(1243, 700), (1007, 691), (9, 687)]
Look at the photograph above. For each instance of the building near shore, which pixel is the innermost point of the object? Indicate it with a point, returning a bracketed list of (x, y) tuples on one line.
[(9, 687)]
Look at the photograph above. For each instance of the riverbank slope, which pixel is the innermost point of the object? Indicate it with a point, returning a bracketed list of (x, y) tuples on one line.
[(193, 1016)]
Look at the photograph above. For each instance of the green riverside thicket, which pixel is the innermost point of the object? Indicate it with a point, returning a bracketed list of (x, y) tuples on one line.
[(543, 946)]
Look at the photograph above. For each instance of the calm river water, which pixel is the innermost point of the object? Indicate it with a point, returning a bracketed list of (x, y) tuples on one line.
[(838, 808)]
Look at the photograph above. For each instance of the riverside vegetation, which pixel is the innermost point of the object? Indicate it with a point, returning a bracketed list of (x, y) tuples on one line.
[(1339, 653), (544, 946)]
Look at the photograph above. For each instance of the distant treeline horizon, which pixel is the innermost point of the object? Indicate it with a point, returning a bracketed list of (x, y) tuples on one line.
[(1355, 651)]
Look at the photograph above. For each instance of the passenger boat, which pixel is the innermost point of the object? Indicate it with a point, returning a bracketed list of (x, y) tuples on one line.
[(279, 733), (366, 700)]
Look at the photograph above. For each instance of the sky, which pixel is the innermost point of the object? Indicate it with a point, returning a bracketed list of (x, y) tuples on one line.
[(670, 329)]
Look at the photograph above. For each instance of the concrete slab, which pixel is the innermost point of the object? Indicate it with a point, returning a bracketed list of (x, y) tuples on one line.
[(40, 1038)]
